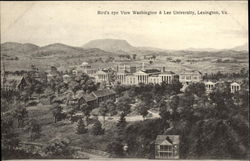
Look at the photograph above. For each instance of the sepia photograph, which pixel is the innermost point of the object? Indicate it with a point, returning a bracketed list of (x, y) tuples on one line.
[(124, 80)]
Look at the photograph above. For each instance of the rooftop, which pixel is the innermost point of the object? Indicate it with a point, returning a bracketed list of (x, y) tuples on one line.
[(191, 72), (167, 72), (148, 71), (103, 92), (172, 139), (89, 97)]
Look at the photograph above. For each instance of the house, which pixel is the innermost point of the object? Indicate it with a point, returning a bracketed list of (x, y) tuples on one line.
[(93, 99), (90, 99), (14, 83), (209, 85), (167, 147), (192, 76), (104, 95), (234, 86)]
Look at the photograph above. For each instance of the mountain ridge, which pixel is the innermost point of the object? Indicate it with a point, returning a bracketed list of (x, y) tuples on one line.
[(104, 47)]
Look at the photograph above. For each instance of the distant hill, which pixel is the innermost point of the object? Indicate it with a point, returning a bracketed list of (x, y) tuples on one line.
[(243, 47), (57, 49), (63, 50), (12, 48), (111, 45)]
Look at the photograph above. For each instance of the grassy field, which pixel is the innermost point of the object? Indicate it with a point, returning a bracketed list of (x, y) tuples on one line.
[(206, 66), (66, 129)]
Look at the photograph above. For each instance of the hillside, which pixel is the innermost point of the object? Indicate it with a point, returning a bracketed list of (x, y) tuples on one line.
[(12, 49), (19, 56), (16, 49), (243, 47), (62, 50), (112, 45)]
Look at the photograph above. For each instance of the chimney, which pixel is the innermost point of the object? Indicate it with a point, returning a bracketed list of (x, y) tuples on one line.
[(163, 69), (132, 69), (143, 66), (169, 140)]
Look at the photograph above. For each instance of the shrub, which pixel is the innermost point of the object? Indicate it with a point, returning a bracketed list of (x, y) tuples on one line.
[(97, 128), (81, 129)]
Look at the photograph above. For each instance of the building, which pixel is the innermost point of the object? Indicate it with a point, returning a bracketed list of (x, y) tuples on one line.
[(234, 86), (14, 83), (86, 68), (144, 74), (209, 85), (131, 80), (104, 95), (167, 147), (168, 76), (104, 75), (121, 76), (94, 98), (191, 76)]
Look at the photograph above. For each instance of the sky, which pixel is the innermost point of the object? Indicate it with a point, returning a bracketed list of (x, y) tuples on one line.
[(76, 23)]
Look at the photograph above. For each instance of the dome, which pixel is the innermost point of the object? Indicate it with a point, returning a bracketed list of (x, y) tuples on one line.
[(84, 64)]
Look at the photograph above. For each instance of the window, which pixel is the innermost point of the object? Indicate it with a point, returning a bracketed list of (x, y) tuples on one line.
[(166, 148), (188, 77)]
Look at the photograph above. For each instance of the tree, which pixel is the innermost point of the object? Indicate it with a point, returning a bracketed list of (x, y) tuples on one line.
[(111, 107), (74, 85), (143, 109), (196, 88), (59, 149), (164, 111), (103, 110), (20, 113), (57, 112), (10, 139), (124, 104), (115, 148), (81, 129), (122, 122), (134, 56), (34, 129), (86, 109), (97, 128)]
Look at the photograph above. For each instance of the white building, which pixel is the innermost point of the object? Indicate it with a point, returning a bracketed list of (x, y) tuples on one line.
[(86, 68), (104, 75), (209, 85), (145, 76), (188, 77), (155, 79), (121, 76), (235, 87), (167, 76), (131, 80)]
